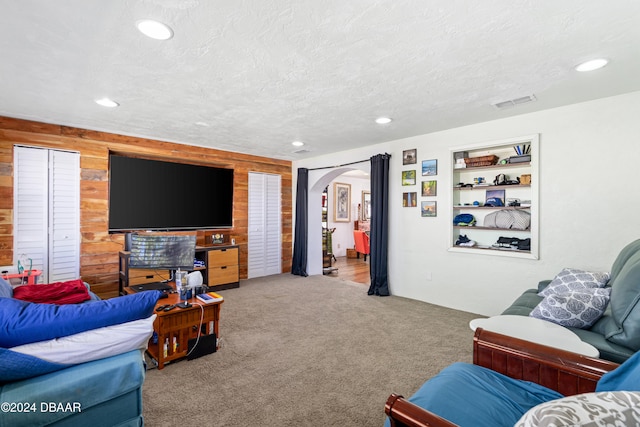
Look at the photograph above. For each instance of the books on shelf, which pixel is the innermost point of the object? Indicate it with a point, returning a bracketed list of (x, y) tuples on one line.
[(209, 297)]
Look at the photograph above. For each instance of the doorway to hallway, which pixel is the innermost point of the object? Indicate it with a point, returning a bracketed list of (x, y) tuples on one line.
[(352, 269)]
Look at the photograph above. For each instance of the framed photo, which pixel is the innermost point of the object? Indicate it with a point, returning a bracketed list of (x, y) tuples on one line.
[(429, 188), (410, 200), (409, 177), (429, 208), (409, 157), (430, 167), (492, 195), (365, 214), (341, 202)]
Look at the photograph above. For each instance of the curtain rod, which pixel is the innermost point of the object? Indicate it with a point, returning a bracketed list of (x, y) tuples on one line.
[(344, 164)]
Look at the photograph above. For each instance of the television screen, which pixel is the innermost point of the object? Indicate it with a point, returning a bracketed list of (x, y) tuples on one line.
[(162, 251), (157, 195)]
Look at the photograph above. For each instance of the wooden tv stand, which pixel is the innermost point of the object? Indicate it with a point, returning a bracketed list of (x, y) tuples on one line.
[(221, 269)]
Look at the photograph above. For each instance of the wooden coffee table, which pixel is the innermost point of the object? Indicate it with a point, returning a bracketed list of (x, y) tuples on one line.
[(177, 326)]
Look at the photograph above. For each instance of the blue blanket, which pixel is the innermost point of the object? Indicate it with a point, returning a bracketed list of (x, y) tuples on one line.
[(16, 366), (473, 396)]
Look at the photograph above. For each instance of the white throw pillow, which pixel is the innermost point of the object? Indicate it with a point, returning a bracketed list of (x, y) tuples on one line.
[(580, 309), (573, 279), (611, 408), (94, 344)]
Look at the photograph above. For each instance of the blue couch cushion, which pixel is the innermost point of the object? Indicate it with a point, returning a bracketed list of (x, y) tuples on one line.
[(473, 396), (608, 350), (622, 326), (523, 305), (625, 377), (23, 322)]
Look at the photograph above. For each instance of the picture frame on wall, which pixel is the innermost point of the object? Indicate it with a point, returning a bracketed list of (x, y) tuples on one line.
[(429, 208), (429, 188), (341, 202), (409, 157), (430, 167), (410, 199), (409, 177), (366, 206)]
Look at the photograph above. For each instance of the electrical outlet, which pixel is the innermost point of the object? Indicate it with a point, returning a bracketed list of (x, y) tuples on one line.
[(338, 245), (9, 269)]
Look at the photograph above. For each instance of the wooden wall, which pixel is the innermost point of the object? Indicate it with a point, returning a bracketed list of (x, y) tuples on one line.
[(99, 249)]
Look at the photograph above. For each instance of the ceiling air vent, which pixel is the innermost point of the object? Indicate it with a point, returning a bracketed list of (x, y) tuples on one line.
[(513, 102), (302, 151)]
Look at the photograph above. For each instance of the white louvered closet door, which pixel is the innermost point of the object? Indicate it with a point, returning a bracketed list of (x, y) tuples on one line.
[(47, 212), (265, 224)]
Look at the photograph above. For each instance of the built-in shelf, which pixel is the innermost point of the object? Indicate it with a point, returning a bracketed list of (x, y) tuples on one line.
[(471, 199), (477, 227), (494, 187)]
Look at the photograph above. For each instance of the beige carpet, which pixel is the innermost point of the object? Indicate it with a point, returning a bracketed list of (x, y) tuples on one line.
[(314, 351)]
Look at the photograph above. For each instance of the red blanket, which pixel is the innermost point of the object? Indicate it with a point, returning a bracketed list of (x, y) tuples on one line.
[(71, 292)]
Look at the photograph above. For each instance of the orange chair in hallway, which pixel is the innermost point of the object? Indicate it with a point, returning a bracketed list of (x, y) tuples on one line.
[(362, 243)]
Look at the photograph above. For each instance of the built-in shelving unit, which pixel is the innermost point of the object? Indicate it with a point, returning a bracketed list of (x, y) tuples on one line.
[(472, 183)]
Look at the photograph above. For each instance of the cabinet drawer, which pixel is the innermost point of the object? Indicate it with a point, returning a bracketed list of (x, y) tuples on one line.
[(223, 257), (222, 275), (140, 276)]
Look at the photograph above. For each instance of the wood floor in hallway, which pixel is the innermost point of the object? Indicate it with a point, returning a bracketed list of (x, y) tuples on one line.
[(354, 269)]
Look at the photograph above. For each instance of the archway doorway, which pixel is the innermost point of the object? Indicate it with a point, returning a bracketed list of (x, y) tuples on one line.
[(318, 181)]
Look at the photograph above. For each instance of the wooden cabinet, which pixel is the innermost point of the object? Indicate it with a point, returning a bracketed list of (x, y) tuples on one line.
[(137, 276), (223, 267), (219, 265), (511, 176)]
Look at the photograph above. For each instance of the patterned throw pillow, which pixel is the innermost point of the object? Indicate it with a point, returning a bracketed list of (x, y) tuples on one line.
[(572, 279), (617, 408), (580, 309)]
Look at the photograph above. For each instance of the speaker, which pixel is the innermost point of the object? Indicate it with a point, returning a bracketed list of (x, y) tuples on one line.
[(127, 241), (207, 344), (194, 280)]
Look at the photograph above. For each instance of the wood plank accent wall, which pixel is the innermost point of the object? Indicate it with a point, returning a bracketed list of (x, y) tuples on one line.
[(99, 249)]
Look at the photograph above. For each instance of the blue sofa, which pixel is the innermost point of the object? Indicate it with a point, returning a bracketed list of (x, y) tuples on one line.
[(616, 334), (105, 392), (99, 384)]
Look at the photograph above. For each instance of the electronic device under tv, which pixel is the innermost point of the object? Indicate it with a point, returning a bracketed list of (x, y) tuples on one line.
[(159, 251), (159, 195)]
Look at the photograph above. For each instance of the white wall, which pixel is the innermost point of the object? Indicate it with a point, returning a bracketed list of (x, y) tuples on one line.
[(589, 204)]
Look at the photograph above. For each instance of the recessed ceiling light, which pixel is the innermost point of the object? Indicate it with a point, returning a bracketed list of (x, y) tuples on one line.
[(154, 29), (594, 64), (106, 102), (383, 120), (297, 143)]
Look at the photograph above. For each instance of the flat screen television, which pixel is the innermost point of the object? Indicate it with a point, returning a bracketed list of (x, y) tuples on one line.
[(170, 252), (163, 196)]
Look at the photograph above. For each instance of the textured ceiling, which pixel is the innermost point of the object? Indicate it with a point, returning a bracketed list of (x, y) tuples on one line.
[(252, 76)]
